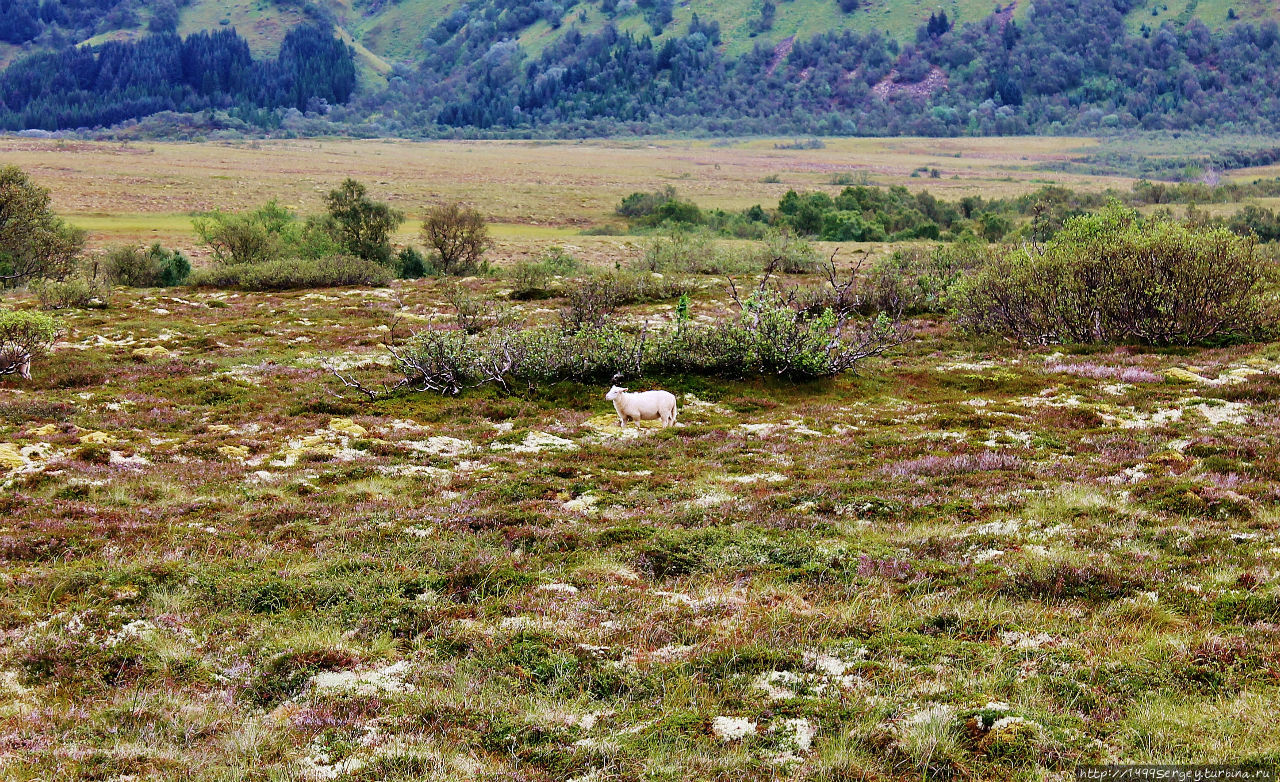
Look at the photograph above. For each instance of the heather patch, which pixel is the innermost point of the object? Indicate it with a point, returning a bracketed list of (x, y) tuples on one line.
[(965, 561)]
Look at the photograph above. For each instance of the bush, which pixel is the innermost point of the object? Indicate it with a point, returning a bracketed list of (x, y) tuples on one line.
[(590, 303), (476, 314), (782, 251), (34, 243), (245, 239), (267, 234), (361, 226), (410, 264), (1116, 277), (532, 279), (154, 267), (24, 337), (918, 280), (768, 337), (70, 293), (692, 253), (460, 237), (335, 271), (594, 300)]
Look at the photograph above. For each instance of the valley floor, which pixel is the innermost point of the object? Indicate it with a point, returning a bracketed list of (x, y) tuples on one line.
[(970, 561)]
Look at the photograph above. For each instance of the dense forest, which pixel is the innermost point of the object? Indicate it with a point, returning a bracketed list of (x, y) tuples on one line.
[(86, 87), (1065, 66), (1070, 67)]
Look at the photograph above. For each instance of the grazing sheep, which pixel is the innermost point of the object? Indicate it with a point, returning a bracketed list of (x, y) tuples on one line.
[(643, 405)]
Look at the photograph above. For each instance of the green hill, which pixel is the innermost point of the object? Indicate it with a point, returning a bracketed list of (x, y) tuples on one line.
[(602, 67), (392, 32)]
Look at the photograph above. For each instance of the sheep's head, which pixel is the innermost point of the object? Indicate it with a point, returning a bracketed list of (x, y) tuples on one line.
[(614, 393)]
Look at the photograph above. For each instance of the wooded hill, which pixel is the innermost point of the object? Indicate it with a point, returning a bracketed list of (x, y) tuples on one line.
[(509, 67)]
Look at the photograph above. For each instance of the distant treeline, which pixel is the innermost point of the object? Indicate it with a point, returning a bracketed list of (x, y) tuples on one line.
[(80, 87), (1071, 66), (878, 214)]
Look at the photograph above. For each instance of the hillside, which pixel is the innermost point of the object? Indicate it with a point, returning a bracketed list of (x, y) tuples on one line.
[(865, 67), (392, 32)]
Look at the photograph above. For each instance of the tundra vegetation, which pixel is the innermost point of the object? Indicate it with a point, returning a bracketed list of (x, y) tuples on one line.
[(991, 552)]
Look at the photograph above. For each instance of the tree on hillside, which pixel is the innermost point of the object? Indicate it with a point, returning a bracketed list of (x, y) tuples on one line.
[(35, 243), (360, 225)]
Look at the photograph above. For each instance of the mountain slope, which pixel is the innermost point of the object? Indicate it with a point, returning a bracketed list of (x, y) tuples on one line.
[(512, 67)]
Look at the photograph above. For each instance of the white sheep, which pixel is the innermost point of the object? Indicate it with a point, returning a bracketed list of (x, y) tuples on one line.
[(643, 405)]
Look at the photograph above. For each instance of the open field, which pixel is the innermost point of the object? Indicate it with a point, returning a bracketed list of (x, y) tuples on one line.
[(126, 191), (971, 560)]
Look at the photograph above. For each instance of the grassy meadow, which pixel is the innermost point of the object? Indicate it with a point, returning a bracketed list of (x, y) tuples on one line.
[(971, 560)]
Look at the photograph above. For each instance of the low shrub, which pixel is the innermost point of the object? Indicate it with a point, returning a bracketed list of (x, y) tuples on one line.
[(530, 280), (917, 280), (533, 279), (459, 235), (591, 302), (782, 251), (334, 271), (475, 314), (24, 336), (72, 293), (693, 253), (411, 264), (769, 336), (1117, 277), (153, 267)]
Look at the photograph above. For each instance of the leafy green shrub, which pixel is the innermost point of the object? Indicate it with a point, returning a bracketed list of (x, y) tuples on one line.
[(782, 251), (244, 239), (1257, 221), (35, 244), (154, 267), (918, 280), (71, 293), (411, 264), (559, 262), (334, 271), (769, 336), (360, 226), (530, 280), (476, 313), (24, 336), (269, 233), (1114, 277), (692, 253), (644, 204)]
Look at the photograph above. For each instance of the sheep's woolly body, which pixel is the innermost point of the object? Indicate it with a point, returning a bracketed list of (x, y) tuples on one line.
[(643, 406)]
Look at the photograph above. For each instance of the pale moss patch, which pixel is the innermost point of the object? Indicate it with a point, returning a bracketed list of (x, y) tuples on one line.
[(391, 679), (536, 442)]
